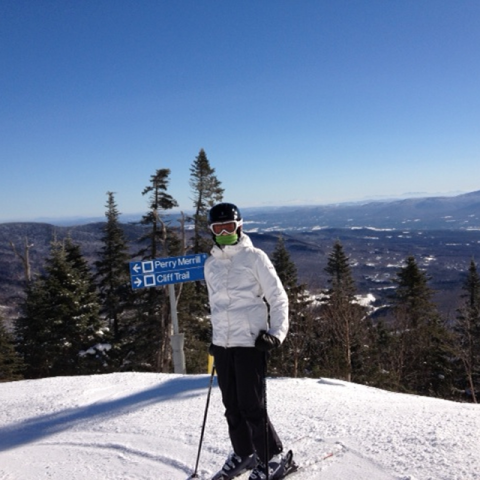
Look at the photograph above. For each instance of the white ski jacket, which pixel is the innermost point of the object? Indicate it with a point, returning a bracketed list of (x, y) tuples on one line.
[(240, 278)]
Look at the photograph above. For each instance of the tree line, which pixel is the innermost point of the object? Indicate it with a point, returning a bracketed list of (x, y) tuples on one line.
[(408, 348), (81, 319)]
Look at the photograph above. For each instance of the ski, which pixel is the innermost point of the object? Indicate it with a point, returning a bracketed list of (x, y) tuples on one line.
[(305, 467)]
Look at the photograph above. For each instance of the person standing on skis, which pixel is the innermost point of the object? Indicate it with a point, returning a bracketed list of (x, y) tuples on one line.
[(241, 281)]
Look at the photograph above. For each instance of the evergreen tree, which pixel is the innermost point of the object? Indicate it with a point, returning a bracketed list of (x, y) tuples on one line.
[(32, 332), (194, 308), (76, 260), (285, 267), (344, 321), (112, 270), (11, 367), (195, 324), (382, 341), (207, 192), (60, 331), (156, 236), (467, 332), (151, 348), (292, 359), (338, 268), (422, 342)]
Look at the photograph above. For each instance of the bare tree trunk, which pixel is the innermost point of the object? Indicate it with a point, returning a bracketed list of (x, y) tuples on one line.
[(348, 347), (468, 371), (184, 252), (25, 258), (472, 387)]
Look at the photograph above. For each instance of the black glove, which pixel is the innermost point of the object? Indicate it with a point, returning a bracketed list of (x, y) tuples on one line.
[(266, 342), (211, 349)]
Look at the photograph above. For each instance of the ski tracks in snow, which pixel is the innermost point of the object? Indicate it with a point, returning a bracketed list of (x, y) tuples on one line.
[(121, 457)]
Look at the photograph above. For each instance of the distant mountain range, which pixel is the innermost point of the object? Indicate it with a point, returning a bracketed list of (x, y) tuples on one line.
[(461, 212), (441, 232), (419, 212)]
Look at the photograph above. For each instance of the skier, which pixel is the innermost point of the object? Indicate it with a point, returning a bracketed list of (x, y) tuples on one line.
[(240, 280)]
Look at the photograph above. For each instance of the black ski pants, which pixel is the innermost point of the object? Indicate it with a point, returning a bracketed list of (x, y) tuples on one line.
[(241, 378)]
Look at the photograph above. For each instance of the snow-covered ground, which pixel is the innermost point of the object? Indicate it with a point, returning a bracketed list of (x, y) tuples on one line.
[(147, 426)]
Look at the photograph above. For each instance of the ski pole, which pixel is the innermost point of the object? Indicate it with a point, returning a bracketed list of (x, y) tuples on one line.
[(267, 446), (195, 474)]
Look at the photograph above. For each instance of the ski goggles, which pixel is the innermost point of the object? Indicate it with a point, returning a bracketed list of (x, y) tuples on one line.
[(219, 228)]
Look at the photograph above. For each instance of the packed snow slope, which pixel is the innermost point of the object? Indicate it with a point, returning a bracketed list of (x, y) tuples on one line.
[(145, 426)]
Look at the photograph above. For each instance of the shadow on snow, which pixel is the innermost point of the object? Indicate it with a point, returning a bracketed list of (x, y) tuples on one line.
[(35, 428)]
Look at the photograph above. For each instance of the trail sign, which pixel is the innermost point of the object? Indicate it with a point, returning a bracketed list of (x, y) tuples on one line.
[(165, 271)]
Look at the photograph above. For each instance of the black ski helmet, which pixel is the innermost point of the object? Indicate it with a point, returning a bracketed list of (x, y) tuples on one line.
[(224, 212)]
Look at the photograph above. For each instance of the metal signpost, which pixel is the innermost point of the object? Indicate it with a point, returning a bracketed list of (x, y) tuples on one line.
[(168, 271)]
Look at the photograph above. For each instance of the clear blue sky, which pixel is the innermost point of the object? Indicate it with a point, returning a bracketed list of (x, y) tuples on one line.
[(294, 101)]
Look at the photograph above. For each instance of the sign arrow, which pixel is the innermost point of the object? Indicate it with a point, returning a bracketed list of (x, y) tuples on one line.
[(137, 267), (137, 282)]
